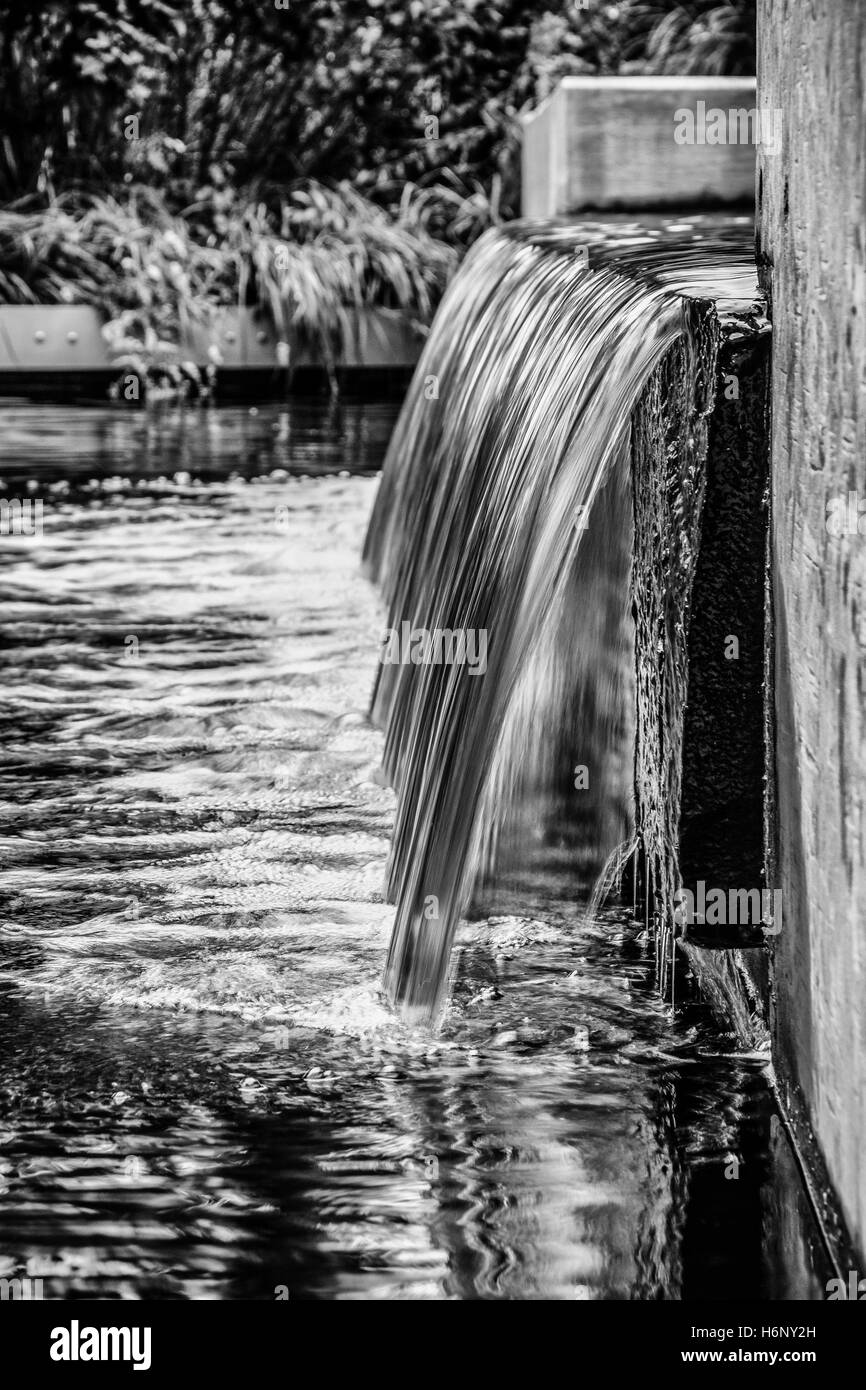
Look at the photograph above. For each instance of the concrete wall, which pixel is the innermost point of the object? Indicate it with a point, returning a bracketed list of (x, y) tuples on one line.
[(812, 245)]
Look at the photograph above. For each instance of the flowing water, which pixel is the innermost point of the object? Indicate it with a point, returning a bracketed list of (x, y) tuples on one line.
[(202, 1091), (505, 517)]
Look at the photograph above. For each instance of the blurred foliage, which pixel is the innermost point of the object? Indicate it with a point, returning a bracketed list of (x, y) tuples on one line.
[(381, 92)]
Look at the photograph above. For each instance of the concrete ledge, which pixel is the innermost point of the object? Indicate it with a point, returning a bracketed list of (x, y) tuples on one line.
[(41, 341), (610, 143), (246, 338)]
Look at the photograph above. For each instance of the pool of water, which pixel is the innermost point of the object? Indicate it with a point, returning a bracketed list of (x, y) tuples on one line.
[(202, 1093)]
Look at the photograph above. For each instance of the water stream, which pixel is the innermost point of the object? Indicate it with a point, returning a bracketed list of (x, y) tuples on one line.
[(505, 516)]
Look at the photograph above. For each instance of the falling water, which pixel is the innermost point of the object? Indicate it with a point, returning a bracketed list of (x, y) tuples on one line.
[(504, 521)]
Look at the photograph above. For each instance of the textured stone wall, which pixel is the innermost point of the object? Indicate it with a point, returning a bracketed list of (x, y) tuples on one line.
[(669, 446), (723, 746), (811, 240), (699, 452)]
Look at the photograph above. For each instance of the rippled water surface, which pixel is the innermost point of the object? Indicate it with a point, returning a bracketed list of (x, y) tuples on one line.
[(202, 1094)]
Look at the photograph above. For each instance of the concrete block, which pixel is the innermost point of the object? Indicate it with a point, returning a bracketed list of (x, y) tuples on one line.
[(624, 143)]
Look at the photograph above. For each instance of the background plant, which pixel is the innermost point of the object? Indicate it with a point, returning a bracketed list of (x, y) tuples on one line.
[(325, 157), (325, 89)]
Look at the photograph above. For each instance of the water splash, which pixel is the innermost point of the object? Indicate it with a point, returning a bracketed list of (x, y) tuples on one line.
[(505, 510)]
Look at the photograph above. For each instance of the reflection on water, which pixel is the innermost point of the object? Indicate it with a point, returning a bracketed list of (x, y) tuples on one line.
[(202, 1094)]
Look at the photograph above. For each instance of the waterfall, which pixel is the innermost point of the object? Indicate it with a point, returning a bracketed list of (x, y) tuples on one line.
[(501, 539)]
